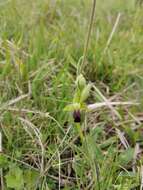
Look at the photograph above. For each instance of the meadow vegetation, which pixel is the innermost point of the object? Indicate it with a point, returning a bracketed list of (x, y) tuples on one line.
[(41, 50)]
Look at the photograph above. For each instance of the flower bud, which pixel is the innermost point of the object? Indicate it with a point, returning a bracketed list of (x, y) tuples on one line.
[(85, 93), (81, 82)]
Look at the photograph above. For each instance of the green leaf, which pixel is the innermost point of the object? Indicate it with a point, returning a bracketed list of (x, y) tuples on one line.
[(3, 161), (93, 149), (14, 178), (72, 107), (30, 178), (126, 156)]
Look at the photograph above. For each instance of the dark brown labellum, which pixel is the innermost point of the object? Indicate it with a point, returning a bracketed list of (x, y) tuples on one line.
[(77, 116)]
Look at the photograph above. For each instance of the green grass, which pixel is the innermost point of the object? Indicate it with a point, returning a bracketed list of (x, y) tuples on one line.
[(41, 47)]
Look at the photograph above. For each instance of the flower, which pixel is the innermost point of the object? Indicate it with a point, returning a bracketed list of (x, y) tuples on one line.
[(77, 116)]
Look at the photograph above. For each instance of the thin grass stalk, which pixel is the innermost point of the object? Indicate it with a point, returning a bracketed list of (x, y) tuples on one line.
[(88, 36)]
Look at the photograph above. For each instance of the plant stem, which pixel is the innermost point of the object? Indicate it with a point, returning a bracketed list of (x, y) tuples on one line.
[(78, 126)]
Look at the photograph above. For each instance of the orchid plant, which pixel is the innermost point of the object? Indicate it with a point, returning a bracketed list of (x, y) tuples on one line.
[(78, 105)]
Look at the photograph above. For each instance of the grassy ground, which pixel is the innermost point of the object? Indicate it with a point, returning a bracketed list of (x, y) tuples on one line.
[(41, 47)]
